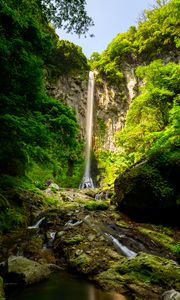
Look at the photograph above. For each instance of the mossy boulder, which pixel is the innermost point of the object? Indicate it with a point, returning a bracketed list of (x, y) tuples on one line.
[(2, 295), (149, 191), (145, 275), (29, 271)]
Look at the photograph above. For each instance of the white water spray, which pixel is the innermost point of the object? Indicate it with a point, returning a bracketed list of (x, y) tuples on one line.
[(87, 180), (123, 249), (37, 224)]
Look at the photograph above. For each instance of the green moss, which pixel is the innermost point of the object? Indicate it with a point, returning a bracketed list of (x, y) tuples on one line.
[(81, 263), (100, 131), (163, 239), (175, 248), (97, 205), (110, 280), (75, 240), (51, 200), (150, 269), (144, 272)]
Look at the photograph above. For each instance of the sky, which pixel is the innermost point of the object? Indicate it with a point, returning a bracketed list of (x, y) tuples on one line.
[(110, 17)]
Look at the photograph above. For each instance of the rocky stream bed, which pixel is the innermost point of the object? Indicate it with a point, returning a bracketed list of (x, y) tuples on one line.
[(87, 236)]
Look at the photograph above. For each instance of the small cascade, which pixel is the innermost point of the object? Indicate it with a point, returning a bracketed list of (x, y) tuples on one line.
[(87, 181), (49, 239), (123, 249), (37, 224)]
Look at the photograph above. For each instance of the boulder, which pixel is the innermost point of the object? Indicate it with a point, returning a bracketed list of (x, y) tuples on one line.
[(148, 191), (171, 295), (54, 186), (30, 271), (146, 275)]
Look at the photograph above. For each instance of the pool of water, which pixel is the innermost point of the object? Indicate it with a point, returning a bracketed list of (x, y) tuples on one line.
[(61, 286)]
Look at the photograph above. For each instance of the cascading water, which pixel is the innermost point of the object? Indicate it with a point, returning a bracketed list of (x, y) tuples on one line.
[(120, 247), (87, 181), (37, 224)]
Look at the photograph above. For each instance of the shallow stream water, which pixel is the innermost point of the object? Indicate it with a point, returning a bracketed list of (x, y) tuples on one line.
[(62, 286)]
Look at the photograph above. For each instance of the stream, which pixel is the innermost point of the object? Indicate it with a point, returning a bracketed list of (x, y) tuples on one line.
[(61, 286)]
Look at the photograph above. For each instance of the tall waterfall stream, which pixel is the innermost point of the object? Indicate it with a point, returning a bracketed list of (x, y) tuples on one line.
[(87, 181)]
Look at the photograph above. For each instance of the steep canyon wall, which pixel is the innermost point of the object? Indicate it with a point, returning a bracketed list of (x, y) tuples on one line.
[(111, 103)]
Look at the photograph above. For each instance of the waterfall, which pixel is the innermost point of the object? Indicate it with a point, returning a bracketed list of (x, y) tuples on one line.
[(87, 180), (37, 224), (123, 249)]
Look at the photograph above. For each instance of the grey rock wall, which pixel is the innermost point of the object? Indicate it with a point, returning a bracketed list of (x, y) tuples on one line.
[(110, 106), (72, 91)]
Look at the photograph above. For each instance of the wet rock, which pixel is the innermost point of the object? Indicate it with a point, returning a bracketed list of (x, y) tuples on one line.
[(91, 237), (30, 271), (171, 295), (78, 252), (59, 234), (48, 191), (54, 186)]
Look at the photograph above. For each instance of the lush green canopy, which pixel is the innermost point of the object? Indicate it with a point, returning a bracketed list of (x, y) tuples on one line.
[(36, 129), (153, 117), (71, 15)]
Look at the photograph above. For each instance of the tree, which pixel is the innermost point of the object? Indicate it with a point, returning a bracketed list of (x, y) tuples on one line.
[(35, 128), (67, 58), (160, 3), (70, 15)]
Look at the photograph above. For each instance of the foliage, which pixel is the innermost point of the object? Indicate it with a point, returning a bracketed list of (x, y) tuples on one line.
[(175, 248), (36, 129), (10, 218), (152, 122), (156, 36), (70, 15), (66, 58), (153, 117), (160, 30)]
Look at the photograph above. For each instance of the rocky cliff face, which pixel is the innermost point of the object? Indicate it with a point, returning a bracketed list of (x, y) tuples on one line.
[(72, 91), (111, 104)]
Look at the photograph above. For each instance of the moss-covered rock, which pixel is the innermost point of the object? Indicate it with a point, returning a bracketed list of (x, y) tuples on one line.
[(30, 271), (97, 205), (165, 240), (145, 275), (149, 190)]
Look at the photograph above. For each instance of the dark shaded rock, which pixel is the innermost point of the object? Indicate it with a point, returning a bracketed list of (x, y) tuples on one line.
[(149, 191), (30, 271)]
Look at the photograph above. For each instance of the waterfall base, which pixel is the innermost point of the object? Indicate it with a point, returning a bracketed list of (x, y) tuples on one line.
[(86, 183)]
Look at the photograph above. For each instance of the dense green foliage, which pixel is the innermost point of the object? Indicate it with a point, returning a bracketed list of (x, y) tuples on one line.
[(154, 115), (37, 132), (66, 58), (71, 15), (39, 135), (156, 36), (152, 122)]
